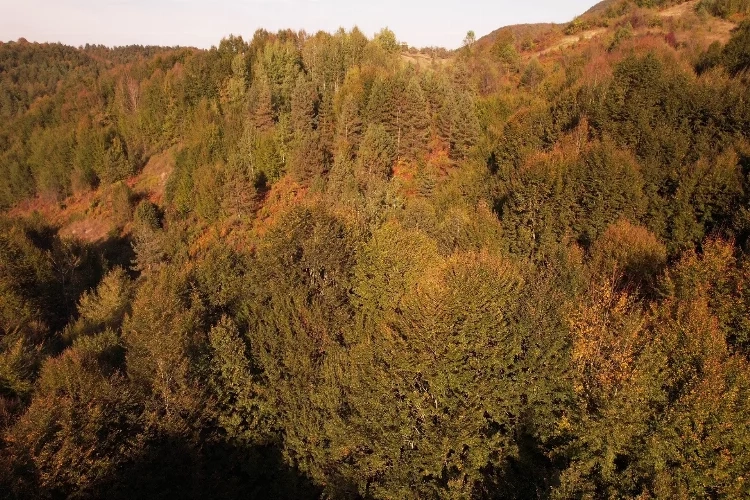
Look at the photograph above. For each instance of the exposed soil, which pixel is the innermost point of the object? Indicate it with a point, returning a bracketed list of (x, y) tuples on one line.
[(89, 216), (568, 41)]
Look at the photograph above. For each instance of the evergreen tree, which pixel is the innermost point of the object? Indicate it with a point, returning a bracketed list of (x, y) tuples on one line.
[(263, 113), (377, 153), (348, 128), (415, 120), (304, 108)]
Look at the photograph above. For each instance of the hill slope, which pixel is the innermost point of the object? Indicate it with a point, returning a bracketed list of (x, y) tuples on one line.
[(321, 266)]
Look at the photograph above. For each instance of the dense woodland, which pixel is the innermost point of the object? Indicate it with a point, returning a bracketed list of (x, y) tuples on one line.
[(516, 270)]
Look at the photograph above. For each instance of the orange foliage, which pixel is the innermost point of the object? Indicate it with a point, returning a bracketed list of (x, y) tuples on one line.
[(439, 160), (607, 333), (629, 250), (283, 195)]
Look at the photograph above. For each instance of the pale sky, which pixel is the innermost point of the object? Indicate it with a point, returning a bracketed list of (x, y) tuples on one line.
[(204, 23)]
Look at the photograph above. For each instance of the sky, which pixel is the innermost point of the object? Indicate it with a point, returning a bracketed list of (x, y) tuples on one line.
[(204, 23)]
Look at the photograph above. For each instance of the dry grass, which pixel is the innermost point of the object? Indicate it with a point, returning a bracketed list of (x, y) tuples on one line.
[(571, 40), (424, 61), (680, 19), (679, 10), (152, 181), (719, 30), (711, 30)]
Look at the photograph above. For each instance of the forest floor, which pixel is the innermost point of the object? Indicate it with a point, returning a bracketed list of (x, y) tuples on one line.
[(152, 180)]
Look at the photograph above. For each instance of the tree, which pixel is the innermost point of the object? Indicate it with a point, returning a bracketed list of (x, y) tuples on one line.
[(348, 128), (71, 421), (630, 255), (465, 131), (415, 121), (469, 39), (432, 372), (297, 310), (236, 85), (160, 336), (243, 409), (263, 113), (504, 49), (304, 108), (533, 75), (104, 307), (377, 152), (737, 50), (386, 40)]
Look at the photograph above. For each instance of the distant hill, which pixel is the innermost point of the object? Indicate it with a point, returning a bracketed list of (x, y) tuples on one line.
[(521, 32), (699, 21)]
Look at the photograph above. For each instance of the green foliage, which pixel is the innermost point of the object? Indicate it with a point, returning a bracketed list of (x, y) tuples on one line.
[(631, 254), (504, 49), (146, 215), (162, 335), (376, 155), (675, 360), (386, 40), (369, 274), (533, 74), (244, 416), (609, 186), (720, 277), (71, 421), (737, 50), (725, 8), (577, 25), (709, 59), (104, 307), (119, 202), (623, 33), (415, 129)]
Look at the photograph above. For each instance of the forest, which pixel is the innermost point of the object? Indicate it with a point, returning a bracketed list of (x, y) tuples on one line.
[(329, 266)]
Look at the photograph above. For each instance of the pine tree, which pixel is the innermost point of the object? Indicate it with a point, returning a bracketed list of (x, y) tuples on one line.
[(242, 409), (447, 114), (327, 123), (377, 152), (263, 113), (304, 108), (415, 121), (465, 132), (348, 128), (236, 86)]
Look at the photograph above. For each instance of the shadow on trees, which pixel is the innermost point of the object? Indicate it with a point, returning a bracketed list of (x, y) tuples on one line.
[(117, 251), (531, 474), (176, 468)]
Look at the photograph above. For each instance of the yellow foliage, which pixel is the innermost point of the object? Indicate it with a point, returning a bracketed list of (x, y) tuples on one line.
[(607, 333)]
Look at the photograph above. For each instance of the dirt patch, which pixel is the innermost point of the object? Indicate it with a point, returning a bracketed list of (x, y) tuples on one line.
[(679, 10), (423, 60), (711, 30), (719, 30), (92, 216), (152, 181), (89, 229), (571, 40)]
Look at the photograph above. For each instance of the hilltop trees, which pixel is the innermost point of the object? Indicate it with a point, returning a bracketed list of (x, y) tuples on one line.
[(353, 272)]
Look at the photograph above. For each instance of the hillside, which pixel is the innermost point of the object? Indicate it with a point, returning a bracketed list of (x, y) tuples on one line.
[(690, 22), (329, 266)]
